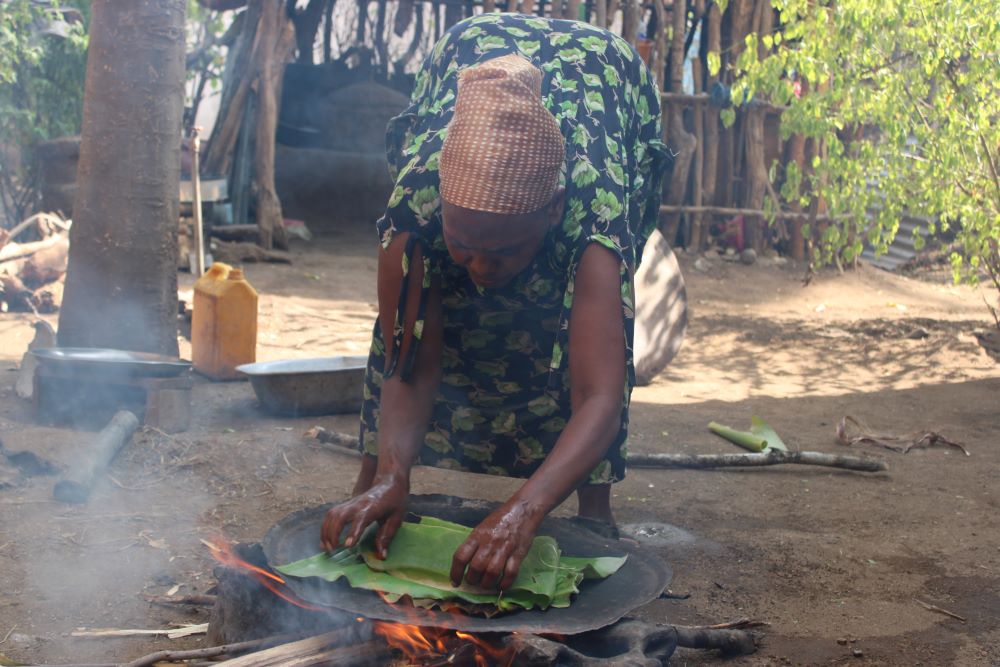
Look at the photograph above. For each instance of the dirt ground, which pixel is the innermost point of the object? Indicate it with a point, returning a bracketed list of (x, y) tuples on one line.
[(836, 562)]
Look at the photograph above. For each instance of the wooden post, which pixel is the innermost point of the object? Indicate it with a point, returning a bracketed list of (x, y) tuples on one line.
[(328, 31), (631, 16), (681, 142), (712, 35), (601, 13), (199, 229), (756, 169), (275, 43), (697, 76)]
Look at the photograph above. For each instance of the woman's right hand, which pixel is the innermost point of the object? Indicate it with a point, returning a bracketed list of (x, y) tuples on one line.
[(385, 503)]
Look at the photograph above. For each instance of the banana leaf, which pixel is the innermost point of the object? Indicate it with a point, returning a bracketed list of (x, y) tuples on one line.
[(762, 429), (419, 562), (759, 438)]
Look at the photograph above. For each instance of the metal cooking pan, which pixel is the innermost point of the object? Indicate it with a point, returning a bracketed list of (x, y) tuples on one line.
[(300, 387), (87, 362), (599, 603)]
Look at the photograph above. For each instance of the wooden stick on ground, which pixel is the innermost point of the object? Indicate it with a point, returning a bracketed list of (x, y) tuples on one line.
[(77, 485), (348, 444), (939, 610), (769, 458), (209, 652)]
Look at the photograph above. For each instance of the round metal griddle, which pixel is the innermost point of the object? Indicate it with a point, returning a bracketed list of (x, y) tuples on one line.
[(91, 361), (599, 603)]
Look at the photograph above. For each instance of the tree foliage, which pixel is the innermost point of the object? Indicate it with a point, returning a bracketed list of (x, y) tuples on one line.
[(905, 97), (42, 70)]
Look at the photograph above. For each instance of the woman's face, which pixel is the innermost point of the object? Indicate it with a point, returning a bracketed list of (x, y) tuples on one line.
[(494, 247)]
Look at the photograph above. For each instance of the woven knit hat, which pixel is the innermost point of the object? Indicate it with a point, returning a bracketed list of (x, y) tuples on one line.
[(504, 150)]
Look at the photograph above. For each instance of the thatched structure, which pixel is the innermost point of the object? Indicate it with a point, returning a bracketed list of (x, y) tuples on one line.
[(719, 176)]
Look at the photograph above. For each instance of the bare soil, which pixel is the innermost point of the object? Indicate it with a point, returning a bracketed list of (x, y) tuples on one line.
[(835, 562)]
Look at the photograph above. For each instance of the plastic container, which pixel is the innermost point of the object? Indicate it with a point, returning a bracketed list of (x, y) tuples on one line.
[(224, 323)]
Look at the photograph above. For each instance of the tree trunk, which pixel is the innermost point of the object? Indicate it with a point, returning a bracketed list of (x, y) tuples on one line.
[(255, 67), (681, 142), (121, 286), (795, 151), (274, 46), (756, 167), (307, 23), (711, 164), (694, 239)]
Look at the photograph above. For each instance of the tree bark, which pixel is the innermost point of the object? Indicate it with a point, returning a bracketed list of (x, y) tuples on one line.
[(306, 23), (756, 166), (752, 460), (710, 176), (274, 46), (681, 142), (795, 151), (121, 286), (694, 240)]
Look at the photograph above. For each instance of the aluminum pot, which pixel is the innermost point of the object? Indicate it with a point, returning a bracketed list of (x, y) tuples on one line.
[(301, 387)]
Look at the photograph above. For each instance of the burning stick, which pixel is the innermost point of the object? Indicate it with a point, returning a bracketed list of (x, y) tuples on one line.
[(195, 599), (77, 485), (314, 651)]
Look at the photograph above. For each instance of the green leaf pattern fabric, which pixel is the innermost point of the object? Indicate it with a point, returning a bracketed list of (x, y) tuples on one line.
[(504, 398)]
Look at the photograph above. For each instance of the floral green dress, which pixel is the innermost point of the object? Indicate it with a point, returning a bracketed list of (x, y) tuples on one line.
[(504, 398)]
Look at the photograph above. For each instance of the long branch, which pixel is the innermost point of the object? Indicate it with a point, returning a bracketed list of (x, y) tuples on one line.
[(769, 458)]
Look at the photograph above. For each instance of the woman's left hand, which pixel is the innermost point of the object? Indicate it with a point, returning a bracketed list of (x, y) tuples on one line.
[(495, 549)]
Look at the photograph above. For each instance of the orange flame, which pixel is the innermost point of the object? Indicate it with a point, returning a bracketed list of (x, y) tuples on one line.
[(419, 645), (424, 645), (222, 551), (439, 646)]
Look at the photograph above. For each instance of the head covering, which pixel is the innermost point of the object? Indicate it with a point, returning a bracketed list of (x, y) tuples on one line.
[(504, 150)]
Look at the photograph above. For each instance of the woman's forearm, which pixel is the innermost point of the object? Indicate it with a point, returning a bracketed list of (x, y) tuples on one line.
[(405, 411), (581, 446), (405, 405)]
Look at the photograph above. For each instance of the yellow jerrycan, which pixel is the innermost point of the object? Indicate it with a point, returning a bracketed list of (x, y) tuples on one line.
[(224, 322)]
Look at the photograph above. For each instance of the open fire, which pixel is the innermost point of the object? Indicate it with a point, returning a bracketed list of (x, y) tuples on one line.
[(416, 645)]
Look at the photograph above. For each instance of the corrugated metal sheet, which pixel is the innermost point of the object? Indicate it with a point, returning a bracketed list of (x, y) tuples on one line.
[(901, 251)]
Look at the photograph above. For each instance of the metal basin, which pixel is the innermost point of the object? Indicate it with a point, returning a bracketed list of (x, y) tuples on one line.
[(100, 363), (301, 387)]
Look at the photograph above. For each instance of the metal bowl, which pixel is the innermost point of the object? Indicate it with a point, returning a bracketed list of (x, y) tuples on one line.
[(301, 387), (94, 362)]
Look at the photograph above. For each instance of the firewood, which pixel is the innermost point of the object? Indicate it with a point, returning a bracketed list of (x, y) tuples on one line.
[(314, 651), (77, 485), (730, 642), (208, 652), (170, 633), (17, 250), (195, 600)]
